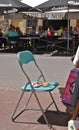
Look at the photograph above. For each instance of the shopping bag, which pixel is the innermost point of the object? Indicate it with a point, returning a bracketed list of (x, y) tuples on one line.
[(73, 125), (66, 96)]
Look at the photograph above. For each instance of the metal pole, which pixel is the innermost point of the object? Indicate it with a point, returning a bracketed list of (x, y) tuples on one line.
[(68, 26)]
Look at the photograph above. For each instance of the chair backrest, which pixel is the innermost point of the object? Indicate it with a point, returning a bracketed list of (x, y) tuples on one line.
[(13, 39), (25, 57)]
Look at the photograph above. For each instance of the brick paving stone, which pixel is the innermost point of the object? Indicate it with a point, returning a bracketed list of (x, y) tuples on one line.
[(8, 100)]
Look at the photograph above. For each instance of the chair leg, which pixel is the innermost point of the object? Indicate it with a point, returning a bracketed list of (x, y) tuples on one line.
[(43, 112), (54, 101), (15, 116), (45, 118)]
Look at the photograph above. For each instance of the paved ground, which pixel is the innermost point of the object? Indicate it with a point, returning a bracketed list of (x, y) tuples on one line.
[(55, 69)]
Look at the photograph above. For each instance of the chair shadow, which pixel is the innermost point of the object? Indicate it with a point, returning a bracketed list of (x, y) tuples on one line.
[(53, 117), (56, 118)]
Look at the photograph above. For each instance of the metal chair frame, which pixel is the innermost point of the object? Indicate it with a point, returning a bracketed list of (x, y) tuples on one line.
[(25, 57)]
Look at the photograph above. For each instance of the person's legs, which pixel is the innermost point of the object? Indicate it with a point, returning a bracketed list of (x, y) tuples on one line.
[(75, 112)]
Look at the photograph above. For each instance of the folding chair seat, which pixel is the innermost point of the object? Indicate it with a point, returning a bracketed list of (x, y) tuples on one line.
[(38, 85)]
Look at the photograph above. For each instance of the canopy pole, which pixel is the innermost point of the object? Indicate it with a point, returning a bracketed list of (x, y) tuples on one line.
[(68, 26)]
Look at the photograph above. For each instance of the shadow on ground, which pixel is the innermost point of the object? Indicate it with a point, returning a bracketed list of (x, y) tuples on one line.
[(53, 117), (56, 118)]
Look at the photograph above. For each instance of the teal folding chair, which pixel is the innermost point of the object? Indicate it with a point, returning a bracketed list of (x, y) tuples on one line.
[(39, 85)]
